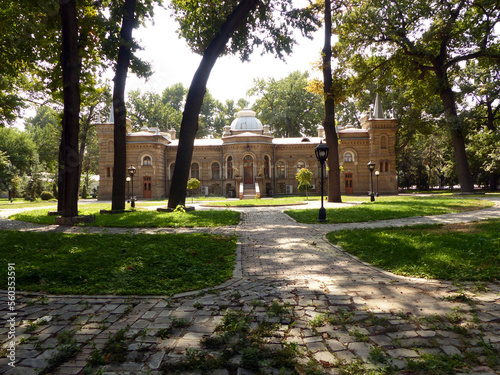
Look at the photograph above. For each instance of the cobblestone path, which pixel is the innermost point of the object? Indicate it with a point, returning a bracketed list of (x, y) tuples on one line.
[(337, 313)]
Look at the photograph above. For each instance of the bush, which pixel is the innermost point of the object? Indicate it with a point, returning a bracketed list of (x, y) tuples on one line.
[(85, 194), (46, 195)]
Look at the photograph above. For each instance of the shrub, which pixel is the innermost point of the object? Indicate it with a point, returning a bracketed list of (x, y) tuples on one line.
[(85, 194), (46, 195)]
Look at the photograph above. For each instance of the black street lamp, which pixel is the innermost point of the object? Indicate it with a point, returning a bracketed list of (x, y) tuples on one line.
[(376, 175), (321, 152), (128, 187), (131, 172), (371, 167)]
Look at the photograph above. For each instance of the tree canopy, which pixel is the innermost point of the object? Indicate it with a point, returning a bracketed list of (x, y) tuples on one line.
[(426, 44), (287, 106)]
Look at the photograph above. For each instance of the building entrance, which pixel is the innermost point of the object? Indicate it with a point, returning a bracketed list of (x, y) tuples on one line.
[(146, 192), (248, 170), (348, 184)]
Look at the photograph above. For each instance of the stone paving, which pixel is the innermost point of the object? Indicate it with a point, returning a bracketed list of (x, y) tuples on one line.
[(338, 313)]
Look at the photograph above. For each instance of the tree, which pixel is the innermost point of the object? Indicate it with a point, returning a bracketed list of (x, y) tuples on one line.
[(329, 119), (193, 184), (69, 162), (131, 13), (287, 106), (208, 27), (304, 177), (481, 87), (148, 110), (425, 42), (45, 130), (26, 29), (19, 147), (6, 174)]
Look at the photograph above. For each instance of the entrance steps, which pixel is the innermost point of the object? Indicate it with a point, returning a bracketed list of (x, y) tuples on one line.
[(249, 192)]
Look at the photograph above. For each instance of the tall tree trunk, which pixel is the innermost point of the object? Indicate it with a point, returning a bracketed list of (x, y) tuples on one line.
[(83, 141), (493, 178), (329, 120), (120, 112), (194, 101), (455, 128), (71, 115)]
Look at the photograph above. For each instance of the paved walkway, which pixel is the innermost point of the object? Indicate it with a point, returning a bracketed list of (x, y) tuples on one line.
[(375, 317)]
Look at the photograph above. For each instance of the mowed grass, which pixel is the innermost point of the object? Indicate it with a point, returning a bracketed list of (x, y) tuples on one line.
[(142, 219), (459, 252), (161, 264), (385, 208), (262, 202)]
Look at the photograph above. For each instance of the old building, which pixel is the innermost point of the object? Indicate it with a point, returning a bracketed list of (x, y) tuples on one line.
[(248, 161)]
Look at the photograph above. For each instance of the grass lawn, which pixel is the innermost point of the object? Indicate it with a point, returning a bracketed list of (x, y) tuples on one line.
[(141, 219), (277, 201), (461, 252), (21, 203), (142, 264), (391, 208)]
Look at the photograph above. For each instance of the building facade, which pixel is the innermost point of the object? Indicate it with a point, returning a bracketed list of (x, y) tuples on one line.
[(247, 161)]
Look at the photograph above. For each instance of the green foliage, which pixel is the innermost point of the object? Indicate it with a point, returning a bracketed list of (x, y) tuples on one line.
[(5, 171), (66, 350), (200, 21), (193, 183), (165, 111), (46, 195), (117, 264), (287, 106), (435, 364), (45, 130), (304, 177), (19, 147), (461, 252), (423, 47)]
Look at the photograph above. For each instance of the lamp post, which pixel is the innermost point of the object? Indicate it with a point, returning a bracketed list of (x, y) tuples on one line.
[(321, 152), (131, 172), (128, 187), (376, 175), (371, 167)]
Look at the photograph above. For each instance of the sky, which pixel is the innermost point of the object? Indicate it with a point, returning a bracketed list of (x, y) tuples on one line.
[(173, 62)]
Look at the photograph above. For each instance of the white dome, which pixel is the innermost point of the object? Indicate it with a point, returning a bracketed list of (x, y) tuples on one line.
[(246, 120)]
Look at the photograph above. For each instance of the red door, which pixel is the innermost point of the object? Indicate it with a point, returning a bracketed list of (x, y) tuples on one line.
[(146, 192), (248, 170), (348, 184)]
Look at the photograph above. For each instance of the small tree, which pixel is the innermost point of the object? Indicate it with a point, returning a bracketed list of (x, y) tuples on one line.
[(193, 183), (304, 177)]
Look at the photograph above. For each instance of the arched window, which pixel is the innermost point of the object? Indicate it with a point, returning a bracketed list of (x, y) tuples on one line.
[(111, 147), (280, 169), (383, 141), (300, 165), (266, 166), (229, 167), (195, 171), (215, 171), (348, 157), (146, 160), (172, 166)]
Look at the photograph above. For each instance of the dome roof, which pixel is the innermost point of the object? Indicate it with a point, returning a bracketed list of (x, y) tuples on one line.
[(246, 120)]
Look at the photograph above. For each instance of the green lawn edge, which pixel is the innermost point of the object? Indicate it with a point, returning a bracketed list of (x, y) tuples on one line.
[(116, 264), (141, 219), (388, 208), (467, 252)]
